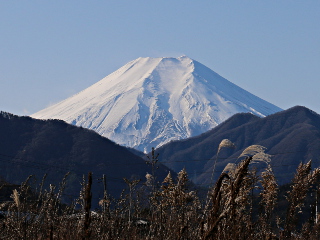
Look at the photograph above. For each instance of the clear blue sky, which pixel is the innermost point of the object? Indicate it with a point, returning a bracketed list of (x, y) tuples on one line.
[(50, 50)]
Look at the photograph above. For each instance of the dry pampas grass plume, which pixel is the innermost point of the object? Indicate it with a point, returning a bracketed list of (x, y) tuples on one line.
[(257, 152), (225, 143)]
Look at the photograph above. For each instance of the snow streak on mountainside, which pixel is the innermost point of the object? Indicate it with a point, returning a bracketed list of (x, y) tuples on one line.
[(151, 101)]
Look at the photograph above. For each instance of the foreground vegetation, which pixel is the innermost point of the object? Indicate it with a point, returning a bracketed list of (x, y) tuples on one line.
[(242, 204)]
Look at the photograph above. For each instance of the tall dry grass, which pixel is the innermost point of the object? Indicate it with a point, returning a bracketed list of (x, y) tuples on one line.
[(241, 205)]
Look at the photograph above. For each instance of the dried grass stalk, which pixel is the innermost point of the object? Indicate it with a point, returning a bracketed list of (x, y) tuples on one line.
[(252, 150)]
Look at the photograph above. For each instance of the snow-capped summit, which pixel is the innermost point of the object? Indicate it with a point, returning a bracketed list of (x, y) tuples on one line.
[(151, 101)]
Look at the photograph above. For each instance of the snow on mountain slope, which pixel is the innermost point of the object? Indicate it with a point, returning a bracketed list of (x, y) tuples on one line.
[(151, 101)]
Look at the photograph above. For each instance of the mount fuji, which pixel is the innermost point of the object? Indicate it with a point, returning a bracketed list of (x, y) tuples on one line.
[(151, 101)]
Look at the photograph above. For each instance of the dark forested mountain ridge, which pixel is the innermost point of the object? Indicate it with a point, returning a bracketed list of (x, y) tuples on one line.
[(29, 146), (291, 136)]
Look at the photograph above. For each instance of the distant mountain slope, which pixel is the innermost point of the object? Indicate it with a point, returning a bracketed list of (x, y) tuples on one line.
[(291, 136), (151, 101), (31, 146)]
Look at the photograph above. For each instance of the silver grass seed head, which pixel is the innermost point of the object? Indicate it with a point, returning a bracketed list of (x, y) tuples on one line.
[(149, 179), (261, 157), (168, 178), (16, 197), (231, 167), (182, 176), (252, 150), (226, 143)]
